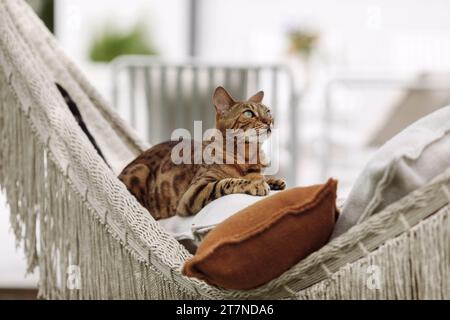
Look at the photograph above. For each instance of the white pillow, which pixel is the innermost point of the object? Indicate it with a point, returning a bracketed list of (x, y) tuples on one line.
[(178, 227), (408, 161), (197, 226), (219, 210)]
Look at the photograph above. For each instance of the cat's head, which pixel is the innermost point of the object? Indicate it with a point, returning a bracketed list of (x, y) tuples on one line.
[(241, 115)]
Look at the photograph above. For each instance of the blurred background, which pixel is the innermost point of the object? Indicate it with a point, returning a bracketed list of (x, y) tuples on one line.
[(341, 76)]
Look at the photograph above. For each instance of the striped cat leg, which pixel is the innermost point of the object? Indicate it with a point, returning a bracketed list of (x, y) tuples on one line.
[(203, 192)]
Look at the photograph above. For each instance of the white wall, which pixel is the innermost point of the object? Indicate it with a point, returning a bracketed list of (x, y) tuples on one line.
[(402, 34)]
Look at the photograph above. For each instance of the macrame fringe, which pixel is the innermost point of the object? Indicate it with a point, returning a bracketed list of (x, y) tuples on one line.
[(397, 270), (59, 233)]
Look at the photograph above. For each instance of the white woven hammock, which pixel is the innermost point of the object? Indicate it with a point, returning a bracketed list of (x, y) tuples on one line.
[(69, 208)]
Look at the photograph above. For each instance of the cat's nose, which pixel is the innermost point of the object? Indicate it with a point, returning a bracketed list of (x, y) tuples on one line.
[(267, 121)]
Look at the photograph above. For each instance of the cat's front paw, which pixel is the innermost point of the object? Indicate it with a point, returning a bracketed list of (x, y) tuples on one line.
[(258, 188), (276, 184)]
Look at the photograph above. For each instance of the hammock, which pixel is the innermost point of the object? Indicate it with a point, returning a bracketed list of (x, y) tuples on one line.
[(68, 209)]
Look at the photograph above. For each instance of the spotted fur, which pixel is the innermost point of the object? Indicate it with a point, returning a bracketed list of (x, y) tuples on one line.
[(167, 189)]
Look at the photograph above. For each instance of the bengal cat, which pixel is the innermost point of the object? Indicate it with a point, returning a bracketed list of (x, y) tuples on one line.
[(167, 188)]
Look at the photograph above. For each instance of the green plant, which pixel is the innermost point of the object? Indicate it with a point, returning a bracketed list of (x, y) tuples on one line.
[(111, 43), (302, 42)]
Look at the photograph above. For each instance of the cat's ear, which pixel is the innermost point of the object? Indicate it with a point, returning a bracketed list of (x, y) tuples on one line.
[(222, 100), (257, 97)]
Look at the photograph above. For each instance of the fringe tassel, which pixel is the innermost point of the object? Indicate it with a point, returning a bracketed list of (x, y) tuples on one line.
[(396, 270), (58, 231)]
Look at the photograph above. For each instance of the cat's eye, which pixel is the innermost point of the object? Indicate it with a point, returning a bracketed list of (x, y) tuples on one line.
[(249, 114)]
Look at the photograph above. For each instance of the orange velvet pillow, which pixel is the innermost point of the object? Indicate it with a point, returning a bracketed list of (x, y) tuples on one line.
[(262, 241)]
